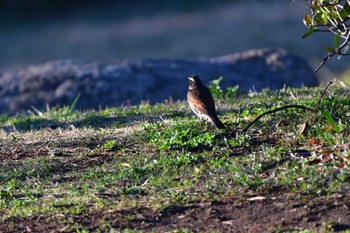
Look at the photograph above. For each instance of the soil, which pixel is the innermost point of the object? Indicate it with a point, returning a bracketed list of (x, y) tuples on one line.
[(270, 213), (275, 211)]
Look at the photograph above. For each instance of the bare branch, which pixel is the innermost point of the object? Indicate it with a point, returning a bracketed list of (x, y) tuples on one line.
[(324, 59), (276, 110), (324, 92)]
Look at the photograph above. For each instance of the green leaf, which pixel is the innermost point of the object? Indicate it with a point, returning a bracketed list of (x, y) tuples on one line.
[(71, 108), (308, 33), (317, 19), (330, 119), (345, 12), (325, 17), (328, 49), (337, 40), (334, 16)]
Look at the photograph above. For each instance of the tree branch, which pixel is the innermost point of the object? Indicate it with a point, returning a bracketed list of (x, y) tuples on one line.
[(338, 51)]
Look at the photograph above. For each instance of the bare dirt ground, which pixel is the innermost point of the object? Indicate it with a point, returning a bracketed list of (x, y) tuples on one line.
[(273, 211), (267, 213)]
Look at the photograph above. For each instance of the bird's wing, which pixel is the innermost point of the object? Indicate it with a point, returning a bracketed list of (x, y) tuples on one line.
[(203, 101)]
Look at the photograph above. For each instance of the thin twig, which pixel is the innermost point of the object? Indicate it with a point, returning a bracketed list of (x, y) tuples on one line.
[(338, 51), (276, 110), (322, 30), (319, 100), (324, 59)]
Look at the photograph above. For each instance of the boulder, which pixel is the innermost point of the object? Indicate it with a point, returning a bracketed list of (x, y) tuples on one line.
[(120, 82)]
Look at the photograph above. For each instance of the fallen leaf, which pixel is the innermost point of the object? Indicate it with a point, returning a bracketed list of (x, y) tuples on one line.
[(326, 157), (342, 165), (303, 128), (257, 198), (315, 141), (229, 222), (330, 128), (126, 165)]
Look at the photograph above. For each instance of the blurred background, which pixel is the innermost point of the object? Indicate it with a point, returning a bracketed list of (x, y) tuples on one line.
[(35, 31)]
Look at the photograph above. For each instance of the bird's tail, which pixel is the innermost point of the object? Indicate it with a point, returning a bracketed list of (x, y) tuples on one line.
[(218, 123)]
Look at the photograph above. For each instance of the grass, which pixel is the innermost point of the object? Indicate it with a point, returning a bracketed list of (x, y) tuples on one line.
[(64, 163)]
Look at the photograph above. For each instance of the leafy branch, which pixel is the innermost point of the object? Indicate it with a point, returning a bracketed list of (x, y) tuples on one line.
[(330, 16)]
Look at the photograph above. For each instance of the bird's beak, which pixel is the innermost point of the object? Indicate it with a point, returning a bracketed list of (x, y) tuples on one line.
[(190, 78)]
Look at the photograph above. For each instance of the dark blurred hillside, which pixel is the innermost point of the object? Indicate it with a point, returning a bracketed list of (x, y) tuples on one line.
[(18, 11), (37, 31)]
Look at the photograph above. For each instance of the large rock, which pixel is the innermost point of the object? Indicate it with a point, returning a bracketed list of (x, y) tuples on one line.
[(115, 83)]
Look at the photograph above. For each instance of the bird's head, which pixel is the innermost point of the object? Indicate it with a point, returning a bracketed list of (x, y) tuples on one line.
[(194, 81)]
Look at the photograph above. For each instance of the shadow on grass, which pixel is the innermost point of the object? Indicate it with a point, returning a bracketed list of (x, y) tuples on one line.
[(25, 124), (52, 168)]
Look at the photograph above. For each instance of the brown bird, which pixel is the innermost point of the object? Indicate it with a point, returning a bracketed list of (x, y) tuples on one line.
[(201, 101)]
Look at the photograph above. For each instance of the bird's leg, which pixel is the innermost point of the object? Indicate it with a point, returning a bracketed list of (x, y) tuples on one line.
[(206, 125)]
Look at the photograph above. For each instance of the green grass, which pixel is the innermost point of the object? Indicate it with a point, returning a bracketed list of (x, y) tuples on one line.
[(68, 163)]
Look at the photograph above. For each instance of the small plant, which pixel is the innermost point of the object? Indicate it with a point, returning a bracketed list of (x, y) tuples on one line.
[(6, 194), (218, 92), (179, 138), (65, 112), (110, 145), (3, 118)]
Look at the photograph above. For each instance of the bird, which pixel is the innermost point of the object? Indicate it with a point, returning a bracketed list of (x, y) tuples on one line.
[(201, 101)]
